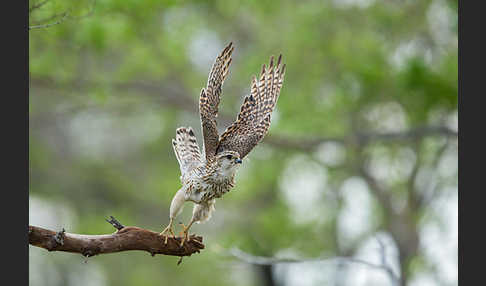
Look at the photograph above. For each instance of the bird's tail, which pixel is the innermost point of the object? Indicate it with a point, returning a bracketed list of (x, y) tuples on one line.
[(186, 149)]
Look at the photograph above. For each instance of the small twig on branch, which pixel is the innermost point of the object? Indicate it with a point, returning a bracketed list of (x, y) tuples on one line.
[(124, 239), (116, 224)]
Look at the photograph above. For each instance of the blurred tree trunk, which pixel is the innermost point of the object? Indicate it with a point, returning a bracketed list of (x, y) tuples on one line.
[(266, 274), (405, 234)]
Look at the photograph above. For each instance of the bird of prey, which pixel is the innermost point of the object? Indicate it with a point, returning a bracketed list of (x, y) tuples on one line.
[(207, 177)]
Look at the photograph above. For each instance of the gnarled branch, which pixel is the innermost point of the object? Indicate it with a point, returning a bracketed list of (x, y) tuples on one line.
[(125, 238)]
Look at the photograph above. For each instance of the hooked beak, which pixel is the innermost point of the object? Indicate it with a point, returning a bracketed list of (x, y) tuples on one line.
[(238, 161)]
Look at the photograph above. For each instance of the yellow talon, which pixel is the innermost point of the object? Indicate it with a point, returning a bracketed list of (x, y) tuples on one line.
[(185, 230), (184, 233), (168, 229)]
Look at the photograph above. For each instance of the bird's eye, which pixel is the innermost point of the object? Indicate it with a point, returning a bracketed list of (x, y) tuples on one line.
[(229, 157)]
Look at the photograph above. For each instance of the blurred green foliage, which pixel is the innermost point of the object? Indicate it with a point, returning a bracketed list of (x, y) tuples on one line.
[(111, 83)]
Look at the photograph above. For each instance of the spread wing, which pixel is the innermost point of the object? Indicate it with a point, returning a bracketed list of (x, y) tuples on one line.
[(186, 149), (253, 120), (209, 100)]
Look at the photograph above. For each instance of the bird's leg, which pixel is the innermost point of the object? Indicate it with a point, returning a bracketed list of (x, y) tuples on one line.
[(169, 230), (186, 231), (175, 208)]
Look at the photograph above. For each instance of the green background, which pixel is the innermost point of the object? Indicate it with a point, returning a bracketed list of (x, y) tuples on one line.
[(363, 142)]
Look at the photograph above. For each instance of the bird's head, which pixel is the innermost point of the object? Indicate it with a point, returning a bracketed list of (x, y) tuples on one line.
[(228, 160)]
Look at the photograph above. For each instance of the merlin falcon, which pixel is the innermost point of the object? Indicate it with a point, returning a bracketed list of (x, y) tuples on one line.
[(208, 176)]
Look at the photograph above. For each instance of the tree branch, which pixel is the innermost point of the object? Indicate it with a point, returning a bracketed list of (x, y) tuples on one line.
[(262, 260), (50, 18), (65, 14), (361, 138), (378, 190), (175, 95), (425, 197), (124, 239)]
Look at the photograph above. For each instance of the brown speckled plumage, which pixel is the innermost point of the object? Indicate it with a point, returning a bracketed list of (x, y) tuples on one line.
[(253, 120), (209, 100), (206, 178)]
